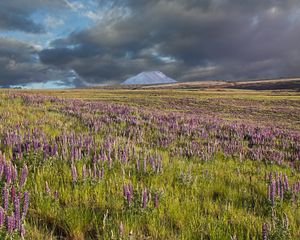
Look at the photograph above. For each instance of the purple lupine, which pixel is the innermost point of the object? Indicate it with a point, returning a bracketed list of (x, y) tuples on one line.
[(74, 173), (2, 216), (55, 149), (286, 182), (14, 173), (264, 231), (1, 167), (152, 163), (145, 164), (24, 174), (10, 223), (272, 191), (13, 193), (281, 190), (5, 197), (279, 183), (127, 193), (144, 198), (25, 204), (17, 216)]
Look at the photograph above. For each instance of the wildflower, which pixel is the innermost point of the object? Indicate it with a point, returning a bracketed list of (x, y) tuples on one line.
[(17, 216), (25, 204), (10, 223), (24, 174), (74, 173), (144, 198), (5, 196), (83, 172), (2, 216), (264, 231)]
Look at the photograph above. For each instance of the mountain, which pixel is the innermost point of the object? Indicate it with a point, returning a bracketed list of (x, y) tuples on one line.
[(154, 77)]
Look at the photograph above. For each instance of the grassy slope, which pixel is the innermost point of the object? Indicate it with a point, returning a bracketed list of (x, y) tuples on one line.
[(200, 200)]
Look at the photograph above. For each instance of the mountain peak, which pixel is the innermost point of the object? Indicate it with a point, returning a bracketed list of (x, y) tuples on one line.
[(152, 77)]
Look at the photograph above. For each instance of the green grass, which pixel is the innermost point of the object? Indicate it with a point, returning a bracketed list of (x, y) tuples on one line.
[(217, 199)]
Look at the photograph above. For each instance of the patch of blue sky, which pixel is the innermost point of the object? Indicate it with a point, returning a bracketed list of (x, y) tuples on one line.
[(56, 24), (52, 84)]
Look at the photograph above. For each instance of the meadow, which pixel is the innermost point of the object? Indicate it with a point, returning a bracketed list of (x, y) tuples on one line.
[(149, 164)]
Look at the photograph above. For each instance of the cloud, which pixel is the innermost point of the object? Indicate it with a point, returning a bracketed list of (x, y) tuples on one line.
[(20, 65), (75, 6), (17, 15), (52, 22), (204, 39), (186, 39)]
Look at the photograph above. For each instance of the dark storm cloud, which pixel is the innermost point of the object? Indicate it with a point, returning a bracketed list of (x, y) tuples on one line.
[(220, 39), (16, 14), (186, 39), (19, 64)]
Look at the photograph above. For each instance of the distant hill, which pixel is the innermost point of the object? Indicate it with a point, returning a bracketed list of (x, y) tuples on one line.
[(291, 84), (149, 78)]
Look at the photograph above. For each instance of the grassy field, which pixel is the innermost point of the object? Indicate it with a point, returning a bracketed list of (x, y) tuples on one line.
[(149, 164)]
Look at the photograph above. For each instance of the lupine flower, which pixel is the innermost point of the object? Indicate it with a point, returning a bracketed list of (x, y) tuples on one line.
[(272, 191), (83, 172), (281, 190), (74, 173), (24, 174), (17, 216), (145, 164), (2, 216), (286, 183), (13, 193), (13, 172), (144, 198), (5, 196), (10, 223), (264, 231), (25, 204), (127, 193)]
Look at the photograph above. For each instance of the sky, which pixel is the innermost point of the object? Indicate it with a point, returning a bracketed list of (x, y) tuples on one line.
[(76, 43)]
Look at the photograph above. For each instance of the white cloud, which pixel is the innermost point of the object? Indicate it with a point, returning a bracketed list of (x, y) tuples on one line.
[(108, 14), (53, 22), (93, 16), (75, 6)]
